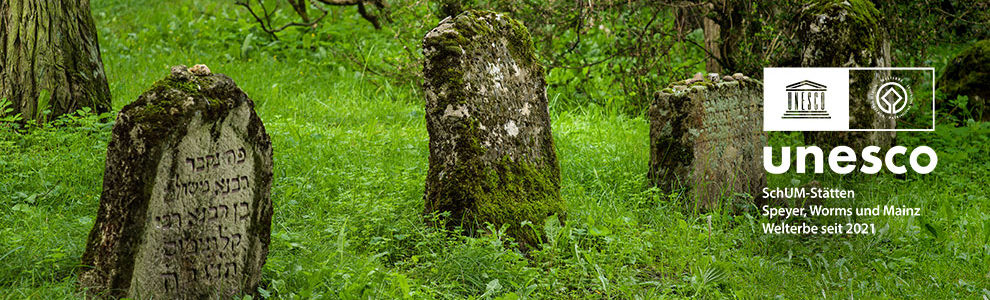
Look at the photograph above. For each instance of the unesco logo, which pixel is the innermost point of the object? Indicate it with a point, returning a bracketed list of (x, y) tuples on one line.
[(890, 97), (806, 100), (847, 99)]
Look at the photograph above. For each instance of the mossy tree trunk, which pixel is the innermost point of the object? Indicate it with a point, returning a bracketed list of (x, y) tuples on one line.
[(50, 58), (712, 37)]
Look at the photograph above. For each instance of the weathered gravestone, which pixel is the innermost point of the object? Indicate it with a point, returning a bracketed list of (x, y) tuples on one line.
[(186, 209), (968, 74), (492, 156), (706, 137), (847, 33)]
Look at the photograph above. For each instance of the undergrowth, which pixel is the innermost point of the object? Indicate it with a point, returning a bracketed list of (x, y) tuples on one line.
[(351, 154)]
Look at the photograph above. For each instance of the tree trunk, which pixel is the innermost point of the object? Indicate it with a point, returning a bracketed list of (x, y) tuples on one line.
[(50, 58), (712, 37)]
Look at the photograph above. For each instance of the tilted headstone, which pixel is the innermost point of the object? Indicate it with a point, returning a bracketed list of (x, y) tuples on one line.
[(847, 33), (492, 156), (186, 209), (706, 137), (968, 74)]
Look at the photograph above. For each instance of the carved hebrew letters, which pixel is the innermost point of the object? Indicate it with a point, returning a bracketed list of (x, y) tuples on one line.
[(708, 138), (199, 230), (186, 208)]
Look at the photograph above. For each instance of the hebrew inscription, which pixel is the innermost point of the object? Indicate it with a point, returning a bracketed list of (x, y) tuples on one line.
[(706, 136), (199, 217), (186, 207)]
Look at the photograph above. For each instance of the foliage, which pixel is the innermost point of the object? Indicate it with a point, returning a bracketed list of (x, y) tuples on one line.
[(614, 54), (267, 12), (618, 53), (765, 33), (755, 34), (7, 118), (916, 26), (351, 157)]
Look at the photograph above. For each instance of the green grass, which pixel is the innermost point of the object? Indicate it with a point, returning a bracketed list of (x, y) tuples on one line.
[(351, 156)]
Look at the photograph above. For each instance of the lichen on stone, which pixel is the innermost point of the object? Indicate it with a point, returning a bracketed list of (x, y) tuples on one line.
[(846, 33), (841, 33), (706, 138), (492, 158), (180, 93), (151, 155), (701, 82)]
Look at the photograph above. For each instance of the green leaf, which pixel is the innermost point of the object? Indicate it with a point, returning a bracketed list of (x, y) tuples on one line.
[(509, 296), (986, 231), (931, 229), (246, 45), (43, 97), (491, 288)]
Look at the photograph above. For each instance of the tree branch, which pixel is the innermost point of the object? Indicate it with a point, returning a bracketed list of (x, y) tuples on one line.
[(264, 17)]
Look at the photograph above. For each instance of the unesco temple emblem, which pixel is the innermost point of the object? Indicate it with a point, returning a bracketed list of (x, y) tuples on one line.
[(806, 100)]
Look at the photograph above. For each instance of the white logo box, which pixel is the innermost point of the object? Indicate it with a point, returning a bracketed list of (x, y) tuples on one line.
[(815, 99)]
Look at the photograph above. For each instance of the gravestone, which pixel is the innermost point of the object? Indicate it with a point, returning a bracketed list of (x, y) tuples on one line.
[(706, 137), (186, 209), (968, 74), (847, 33), (492, 157)]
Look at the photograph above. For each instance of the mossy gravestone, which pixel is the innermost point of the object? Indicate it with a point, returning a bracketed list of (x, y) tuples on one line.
[(492, 158), (968, 74), (847, 33), (186, 209), (706, 137)]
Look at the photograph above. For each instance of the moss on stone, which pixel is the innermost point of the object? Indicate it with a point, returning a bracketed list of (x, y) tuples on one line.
[(514, 192), (472, 32), (704, 83), (155, 106), (476, 25), (968, 73), (701, 141), (846, 33), (846, 28), (479, 172), (859, 12), (504, 193), (145, 157), (163, 105), (682, 87)]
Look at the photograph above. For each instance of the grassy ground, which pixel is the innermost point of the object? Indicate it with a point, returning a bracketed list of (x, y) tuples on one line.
[(351, 157)]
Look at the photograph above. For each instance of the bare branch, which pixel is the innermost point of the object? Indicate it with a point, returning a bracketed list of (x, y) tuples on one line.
[(264, 16)]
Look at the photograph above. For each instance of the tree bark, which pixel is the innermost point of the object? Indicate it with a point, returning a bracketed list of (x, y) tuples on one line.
[(50, 58), (712, 41)]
